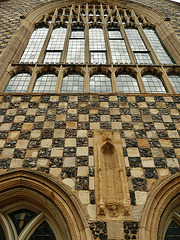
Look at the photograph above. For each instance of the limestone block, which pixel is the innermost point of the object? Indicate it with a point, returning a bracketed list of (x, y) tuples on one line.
[(31, 153), (2, 142), (84, 197), (69, 182), (69, 162), (91, 161), (7, 153), (70, 142), (177, 152), (105, 118), (114, 111), (126, 161), (42, 162), (115, 230), (61, 117), (142, 104), (172, 162), (56, 172), (140, 197), (137, 172), (27, 126), (116, 125), (147, 162), (133, 152), (48, 125), (13, 135), (5, 126), (113, 98), (83, 118), (39, 118), (72, 111), (16, 163), (157, 152), (73, 98), (22, 143), (46, 143), (129, 134), (82, 151), (91, 211), (31, 111), (137, 212), (71, 125), (126, 118), (166, 118), (57, 152), (54, 98), (11, 111), (159, 125), (163, 172), (151, 134), (173, 134), (83, 171), (59, 133), (104, 104), (91, 183), (62, 104), (165, 143), (19, 119), (35, 134), (94, 125), (82, 133)]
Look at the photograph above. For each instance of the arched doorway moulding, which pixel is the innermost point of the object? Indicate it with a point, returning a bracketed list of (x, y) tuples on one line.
[(50, 194), (158, 198)]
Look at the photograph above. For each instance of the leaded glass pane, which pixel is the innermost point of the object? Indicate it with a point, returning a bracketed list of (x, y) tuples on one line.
[(77, 34), (153, 84), (76, 51), (57, 39), (18, 83), (73, 83), (45, 83), (114, 34), (173, 232), (21, 218), (52, 57), (119, 51), (100, 83), (96, 39), (127, 84), (138, 47), (98, 57), (34, 46), (175, 80), (157, 46), (43, 232)]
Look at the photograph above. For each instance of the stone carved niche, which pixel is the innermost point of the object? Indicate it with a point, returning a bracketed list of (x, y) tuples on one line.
[(111, 186)]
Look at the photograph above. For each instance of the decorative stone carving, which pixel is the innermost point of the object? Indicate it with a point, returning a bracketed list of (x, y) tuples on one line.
[(112, 193)]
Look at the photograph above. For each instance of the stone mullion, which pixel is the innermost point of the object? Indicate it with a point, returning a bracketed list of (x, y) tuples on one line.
[(128, 46), (148, 45), (87, 57), (86, 80), (166, 81), (32, 80), (42, 53), (114, 82), (59, 80), (140, 81)]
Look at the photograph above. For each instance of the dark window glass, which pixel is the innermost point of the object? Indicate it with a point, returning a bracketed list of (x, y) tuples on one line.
[(18, 83), (21, 218), (45, 83), (153, 84), (100, 83), (173, 232), (2, 235), (34, 46), (43, 232), (175, 80)]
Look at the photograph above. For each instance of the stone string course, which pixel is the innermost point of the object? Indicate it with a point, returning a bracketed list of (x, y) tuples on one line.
[(12, 10), (54, 134)]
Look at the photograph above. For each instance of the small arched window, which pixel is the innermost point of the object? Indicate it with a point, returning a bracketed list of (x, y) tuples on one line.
[(138, 47), (175, 80), (127, 83), (153, 84), (118, 48), (18, 83), (73, 83), (55, 45), (97, 45), (45, 83), (34, 46), (100, 83)]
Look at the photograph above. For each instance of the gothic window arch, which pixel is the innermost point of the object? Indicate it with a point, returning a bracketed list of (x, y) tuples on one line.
[(45, 83), (95, 34), (18, 82), (153, 83), (99, 82), (127, 83), (175, 80), (72, 82)]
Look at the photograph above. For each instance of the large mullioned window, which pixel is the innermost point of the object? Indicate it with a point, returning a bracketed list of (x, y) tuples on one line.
[(89, 35)]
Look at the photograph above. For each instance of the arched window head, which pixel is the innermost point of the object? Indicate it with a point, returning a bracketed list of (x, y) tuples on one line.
[(97, 45), (127, 83), (18, 83), (44, 231), (175, 80), (76, 46), (158, 47), (100, 83), (55, 45), (45, 83), (73, 83), (153, 84), (118, 47), (138, 47), (34, 46)]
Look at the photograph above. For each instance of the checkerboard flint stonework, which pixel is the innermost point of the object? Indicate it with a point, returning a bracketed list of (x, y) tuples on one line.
[(53, 133)]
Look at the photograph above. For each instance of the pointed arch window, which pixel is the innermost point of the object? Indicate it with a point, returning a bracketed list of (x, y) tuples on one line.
[(100, 83), (34, 46), (73, 83), (118, 48), (76, 46), (127, 83), (18, 83), (97, 45), (55, 45), (46, 83), (153, 83)]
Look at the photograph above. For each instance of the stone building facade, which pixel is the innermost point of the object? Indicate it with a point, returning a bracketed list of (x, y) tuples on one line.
[(96, 161)]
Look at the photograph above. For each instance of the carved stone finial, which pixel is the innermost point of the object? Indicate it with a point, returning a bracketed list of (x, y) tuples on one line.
[(101, 209), (108, 148)]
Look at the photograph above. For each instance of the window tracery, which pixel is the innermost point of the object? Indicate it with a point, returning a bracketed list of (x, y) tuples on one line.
[(91, 34)]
